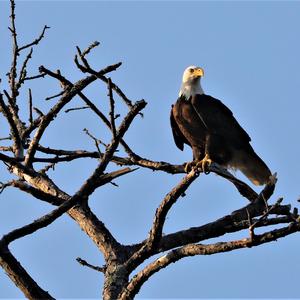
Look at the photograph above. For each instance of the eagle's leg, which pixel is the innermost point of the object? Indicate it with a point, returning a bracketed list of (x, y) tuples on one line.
[(196, 159), (206, 160)]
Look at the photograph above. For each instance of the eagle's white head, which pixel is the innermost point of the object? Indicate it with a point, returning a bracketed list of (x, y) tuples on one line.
[(191, 82)]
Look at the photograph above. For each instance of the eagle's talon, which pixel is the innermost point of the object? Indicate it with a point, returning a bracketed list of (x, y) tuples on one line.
[(188, 166), (204, 164), (206, 170)]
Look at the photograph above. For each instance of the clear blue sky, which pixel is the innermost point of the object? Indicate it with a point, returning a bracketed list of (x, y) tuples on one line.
[(250, 54)]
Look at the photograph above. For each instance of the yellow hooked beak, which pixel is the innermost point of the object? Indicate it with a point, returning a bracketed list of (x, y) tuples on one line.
[(199, 72)]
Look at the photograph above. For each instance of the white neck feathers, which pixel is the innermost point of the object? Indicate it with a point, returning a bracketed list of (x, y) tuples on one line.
[(189, 89)]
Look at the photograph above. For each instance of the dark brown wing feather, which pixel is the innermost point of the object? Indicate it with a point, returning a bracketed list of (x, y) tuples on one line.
[(219, 119), (179, 138)]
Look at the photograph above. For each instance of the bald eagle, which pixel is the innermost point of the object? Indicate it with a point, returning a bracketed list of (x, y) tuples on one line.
[(210, 129)]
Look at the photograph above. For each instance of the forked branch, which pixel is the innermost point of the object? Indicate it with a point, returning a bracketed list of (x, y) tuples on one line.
[(191, 250)]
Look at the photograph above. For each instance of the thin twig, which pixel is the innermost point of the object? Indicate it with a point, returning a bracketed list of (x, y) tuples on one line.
[(13, 70), (112, 108), (55, 96), (59, 77), (34, 77), (8, 138), (265, 214), (38, 111), (30, 106), (3, 186), (47, 168), (23, 71), (85, 52), (96, 141), (89, 48), (36, 41), (87, 69), (76, 108), (86, 264), (36, 122), (13, 128)]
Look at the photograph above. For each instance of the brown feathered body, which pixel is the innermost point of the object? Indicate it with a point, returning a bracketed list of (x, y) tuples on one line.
[(209, 127)]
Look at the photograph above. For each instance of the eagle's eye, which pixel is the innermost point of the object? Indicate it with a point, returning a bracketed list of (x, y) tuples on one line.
[(191, 70)]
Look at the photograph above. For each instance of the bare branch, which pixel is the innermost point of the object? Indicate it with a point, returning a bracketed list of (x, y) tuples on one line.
[(36, 41), (93, 181), (226, 224), (3, 186), (87, 69), (92, 46), (76, 108), (56, 213), (96, 141), (39, 112), (13, 128), (66, 98), (86, 264), (19, 276), (32, 126), (65, 156), (109, 177), (30, 106), (47, 168), (136, 160), (38, 194), (92, 226), (23, 71), (8, 138), (85, 52), (55, 96), (40, 222), (94, 108), (268, 211), (13, 71), (34, 77), (112, 108)]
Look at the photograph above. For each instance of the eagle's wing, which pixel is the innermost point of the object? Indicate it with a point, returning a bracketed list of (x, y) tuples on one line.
[(219, 118), (179, 138)]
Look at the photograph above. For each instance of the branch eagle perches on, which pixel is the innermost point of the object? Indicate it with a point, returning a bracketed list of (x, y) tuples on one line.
[(26, 153)]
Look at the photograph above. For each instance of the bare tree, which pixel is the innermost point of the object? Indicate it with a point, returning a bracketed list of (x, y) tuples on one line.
[(22, 160)]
